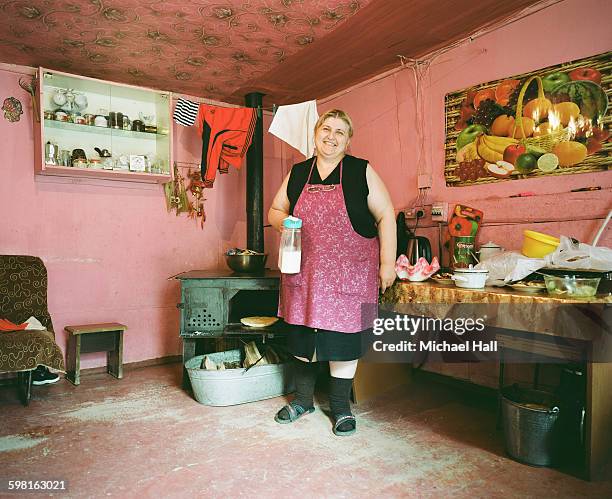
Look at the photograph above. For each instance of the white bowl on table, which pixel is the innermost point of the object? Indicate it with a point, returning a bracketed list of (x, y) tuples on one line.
[(470, 278)]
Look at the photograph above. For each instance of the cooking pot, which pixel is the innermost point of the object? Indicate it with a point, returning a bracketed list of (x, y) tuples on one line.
[(470, 278)]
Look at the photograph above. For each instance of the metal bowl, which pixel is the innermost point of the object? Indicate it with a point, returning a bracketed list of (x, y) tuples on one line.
[(246, 264)]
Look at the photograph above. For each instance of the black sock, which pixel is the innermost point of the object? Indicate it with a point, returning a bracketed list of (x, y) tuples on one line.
[(305, 379), (339, 404)]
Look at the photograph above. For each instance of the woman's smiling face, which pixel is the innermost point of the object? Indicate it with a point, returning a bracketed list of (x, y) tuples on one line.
[(332, 137)]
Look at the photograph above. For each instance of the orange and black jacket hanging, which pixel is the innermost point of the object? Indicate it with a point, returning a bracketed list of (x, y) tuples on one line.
[(226, 134)]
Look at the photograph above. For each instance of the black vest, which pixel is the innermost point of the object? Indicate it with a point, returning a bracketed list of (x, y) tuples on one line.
[(354, 186)]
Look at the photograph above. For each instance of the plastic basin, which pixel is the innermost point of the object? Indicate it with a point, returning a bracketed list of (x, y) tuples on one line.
[(538, 245)]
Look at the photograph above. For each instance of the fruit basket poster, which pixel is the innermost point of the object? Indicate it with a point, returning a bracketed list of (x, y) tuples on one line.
[(553, 121)]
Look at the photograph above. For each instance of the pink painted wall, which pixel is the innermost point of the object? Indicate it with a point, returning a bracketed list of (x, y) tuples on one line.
[(109, 247), (386, 127), (383, 111)]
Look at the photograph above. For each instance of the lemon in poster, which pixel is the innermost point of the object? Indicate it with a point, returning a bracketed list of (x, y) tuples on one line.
[(548, 162)]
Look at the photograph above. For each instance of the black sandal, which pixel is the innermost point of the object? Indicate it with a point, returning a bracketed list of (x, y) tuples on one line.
[(344, 418), (295, 411)]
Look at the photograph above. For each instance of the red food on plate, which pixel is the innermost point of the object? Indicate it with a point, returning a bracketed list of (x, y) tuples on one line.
[(418, 272)]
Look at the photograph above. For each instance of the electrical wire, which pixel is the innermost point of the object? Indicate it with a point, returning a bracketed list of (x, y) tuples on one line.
[(421, 69)]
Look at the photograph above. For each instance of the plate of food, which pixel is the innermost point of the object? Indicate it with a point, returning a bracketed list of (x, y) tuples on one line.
[(443, 278), (529, 286)]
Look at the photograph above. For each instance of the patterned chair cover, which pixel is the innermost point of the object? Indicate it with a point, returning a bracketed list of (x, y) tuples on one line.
[(23, 293)]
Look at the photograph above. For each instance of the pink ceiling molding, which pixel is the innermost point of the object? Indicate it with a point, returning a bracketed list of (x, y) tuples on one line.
[(196, 47)]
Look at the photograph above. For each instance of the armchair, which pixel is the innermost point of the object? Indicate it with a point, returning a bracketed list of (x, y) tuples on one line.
[(23, 293)]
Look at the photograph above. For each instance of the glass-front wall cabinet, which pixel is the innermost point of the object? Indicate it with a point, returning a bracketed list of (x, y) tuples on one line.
[(94, 128)]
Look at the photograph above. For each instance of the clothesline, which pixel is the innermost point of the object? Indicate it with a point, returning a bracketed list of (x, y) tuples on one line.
[(186, 164), (215, 103)]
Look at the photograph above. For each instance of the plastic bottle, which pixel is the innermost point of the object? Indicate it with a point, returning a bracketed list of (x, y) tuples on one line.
[(290, 251)]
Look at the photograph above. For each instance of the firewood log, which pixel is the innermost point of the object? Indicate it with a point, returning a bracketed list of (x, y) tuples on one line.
[(271, 356), (208, 364), (252, 355)]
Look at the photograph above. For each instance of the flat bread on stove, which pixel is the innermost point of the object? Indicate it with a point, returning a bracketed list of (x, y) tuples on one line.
[(258, 321)]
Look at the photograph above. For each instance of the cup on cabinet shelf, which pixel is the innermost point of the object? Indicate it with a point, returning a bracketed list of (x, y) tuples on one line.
[(115, 120), (65, 157), (137, 126), (101, 121)]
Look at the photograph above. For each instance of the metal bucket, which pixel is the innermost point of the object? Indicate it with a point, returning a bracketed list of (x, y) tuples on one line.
[(531, 428)]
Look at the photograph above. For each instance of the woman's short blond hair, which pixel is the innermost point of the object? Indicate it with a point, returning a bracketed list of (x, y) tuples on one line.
[(339, 114)]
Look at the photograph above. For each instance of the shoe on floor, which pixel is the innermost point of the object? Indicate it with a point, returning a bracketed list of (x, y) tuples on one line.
[(344, 425), (42, 376)]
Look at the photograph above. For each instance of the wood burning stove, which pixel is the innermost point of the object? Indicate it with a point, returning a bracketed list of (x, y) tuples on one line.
[(213, 301)]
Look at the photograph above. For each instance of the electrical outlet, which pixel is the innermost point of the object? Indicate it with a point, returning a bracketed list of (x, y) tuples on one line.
[(439, 212), (414, 213)]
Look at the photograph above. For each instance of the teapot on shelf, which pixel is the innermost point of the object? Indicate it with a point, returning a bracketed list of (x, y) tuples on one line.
[(107, 159), (103, 153)]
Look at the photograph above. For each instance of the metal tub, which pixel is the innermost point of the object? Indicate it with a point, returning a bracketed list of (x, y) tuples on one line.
[(237, 386)]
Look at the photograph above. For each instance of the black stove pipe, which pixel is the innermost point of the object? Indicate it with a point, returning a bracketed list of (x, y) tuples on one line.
[(254, 187)]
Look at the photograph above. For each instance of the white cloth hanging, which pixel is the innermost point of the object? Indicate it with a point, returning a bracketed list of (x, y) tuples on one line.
[(294, 124)]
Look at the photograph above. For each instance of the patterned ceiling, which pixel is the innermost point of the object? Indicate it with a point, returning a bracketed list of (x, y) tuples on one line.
[(196, 47), (222, 50)]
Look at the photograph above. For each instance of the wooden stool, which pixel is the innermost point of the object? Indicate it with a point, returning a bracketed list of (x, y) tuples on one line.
[(89, 338)]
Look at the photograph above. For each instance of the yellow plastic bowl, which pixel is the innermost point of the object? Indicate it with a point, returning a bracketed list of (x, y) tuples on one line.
[(538, 245)]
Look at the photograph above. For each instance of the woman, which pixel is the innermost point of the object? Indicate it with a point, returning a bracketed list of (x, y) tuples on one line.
[(348, 252)]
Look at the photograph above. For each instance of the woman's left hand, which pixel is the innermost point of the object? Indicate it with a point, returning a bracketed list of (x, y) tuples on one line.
[(386, 276)]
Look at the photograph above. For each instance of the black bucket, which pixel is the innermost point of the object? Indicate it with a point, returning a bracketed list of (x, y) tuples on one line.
[(531, 428)]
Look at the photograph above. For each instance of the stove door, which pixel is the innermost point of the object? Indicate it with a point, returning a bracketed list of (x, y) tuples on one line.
[(202, 310)]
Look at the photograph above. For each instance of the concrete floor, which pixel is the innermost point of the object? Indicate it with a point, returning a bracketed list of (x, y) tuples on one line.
[(144, 436)]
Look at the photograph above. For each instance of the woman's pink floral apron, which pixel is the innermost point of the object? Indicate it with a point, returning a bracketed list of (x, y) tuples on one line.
[(339, 270)]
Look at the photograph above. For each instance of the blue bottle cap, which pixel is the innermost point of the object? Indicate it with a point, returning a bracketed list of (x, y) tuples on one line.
[(292, 223)]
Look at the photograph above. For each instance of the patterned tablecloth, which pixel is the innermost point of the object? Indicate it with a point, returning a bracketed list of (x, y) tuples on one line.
[(504, 308)]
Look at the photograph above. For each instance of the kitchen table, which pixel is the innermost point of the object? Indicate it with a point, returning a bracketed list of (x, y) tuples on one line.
[(542, 315)]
